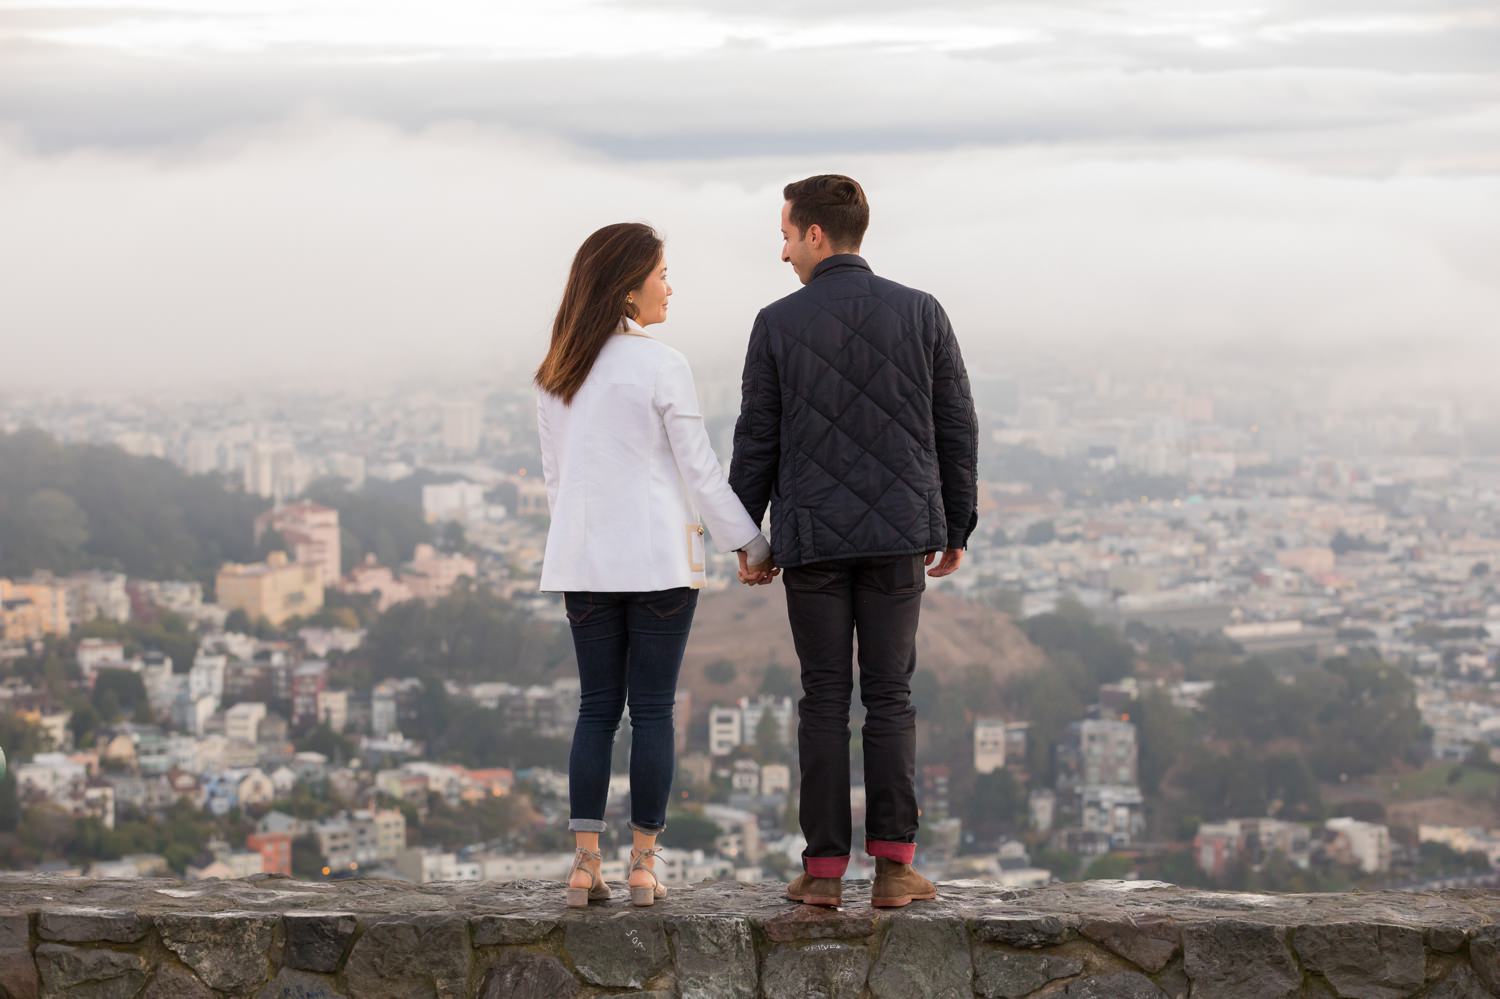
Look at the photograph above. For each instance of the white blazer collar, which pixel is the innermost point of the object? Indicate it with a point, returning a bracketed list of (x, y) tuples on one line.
[(632, 327)]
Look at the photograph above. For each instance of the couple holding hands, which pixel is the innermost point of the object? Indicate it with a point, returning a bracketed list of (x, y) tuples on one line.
[(857, 428)]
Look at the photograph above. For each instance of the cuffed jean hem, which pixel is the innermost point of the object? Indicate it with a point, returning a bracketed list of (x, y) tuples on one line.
[(648, 830), (586, 825), (901, 853), (825, 867)]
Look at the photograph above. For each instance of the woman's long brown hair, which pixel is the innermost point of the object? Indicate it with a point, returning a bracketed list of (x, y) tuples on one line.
[(608, 266)]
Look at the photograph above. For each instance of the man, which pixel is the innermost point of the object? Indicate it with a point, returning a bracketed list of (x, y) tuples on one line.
[(858, 428)]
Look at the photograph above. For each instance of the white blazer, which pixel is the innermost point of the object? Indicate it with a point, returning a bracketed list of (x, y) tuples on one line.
[(629, 468)]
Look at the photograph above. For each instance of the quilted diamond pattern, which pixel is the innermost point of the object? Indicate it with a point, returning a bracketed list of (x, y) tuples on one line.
[(857, 424)]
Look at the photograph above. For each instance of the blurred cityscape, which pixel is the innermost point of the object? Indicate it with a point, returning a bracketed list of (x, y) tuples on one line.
[(1211, 632)]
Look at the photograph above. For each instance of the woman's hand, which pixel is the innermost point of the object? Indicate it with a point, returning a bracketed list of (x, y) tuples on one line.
[(757, 575)]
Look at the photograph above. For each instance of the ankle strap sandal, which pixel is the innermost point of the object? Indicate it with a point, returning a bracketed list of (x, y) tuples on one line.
[(646, 894), (597, 891)]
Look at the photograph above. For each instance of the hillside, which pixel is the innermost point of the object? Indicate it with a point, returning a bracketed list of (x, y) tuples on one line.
[(748, 627), (65, 507)]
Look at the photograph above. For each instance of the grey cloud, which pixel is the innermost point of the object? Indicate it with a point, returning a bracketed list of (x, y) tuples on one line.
[(363, 249), (731, 103)]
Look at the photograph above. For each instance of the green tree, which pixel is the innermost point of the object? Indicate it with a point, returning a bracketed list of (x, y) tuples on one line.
[(778, 681), (1111, 866), (768, 743), (996, 807), (720, 671), (117, 692), (1050, 699), (321, 738), (1040, 533), (1164, 732), (386, 523), (307, 858), (693, 831), (470, 635), (73, 506), (1104, 654), (10, 805), (84, 724), (21, 739)]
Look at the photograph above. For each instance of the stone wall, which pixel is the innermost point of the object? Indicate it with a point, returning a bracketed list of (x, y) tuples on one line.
[(273, 937)]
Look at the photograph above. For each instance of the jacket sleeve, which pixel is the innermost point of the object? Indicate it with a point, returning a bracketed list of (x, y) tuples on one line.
[(549, 459), (956, 427), (676, 399), (757, 433)]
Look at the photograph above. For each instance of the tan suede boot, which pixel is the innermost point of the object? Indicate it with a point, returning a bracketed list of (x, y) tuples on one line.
[(897, 884), (816, 891)]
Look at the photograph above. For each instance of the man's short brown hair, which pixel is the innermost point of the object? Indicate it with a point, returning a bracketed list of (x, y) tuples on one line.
[(834, 203)]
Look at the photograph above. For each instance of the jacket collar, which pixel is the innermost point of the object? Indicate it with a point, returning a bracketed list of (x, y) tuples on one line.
[(838, 261), (633, 328)]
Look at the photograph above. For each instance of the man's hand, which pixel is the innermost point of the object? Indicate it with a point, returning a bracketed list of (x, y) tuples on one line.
[(757, 575), (949, 564)]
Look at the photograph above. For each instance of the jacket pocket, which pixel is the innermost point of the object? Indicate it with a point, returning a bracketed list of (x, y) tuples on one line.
[(937, 521), (805, 546), (668, 604), (579, 608)]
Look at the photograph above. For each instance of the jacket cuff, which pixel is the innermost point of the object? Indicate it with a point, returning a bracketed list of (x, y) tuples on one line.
[(758, 551), (958, 533)]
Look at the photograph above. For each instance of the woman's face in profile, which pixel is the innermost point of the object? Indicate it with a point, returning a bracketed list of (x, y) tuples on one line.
[(651, 297)]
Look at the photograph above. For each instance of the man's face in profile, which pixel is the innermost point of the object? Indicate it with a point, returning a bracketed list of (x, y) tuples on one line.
[(796, 249)]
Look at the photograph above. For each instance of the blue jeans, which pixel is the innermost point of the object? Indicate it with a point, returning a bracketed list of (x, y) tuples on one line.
[(629, 648)]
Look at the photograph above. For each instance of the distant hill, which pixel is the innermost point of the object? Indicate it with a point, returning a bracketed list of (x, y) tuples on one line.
[(747, 626), (65, 507)]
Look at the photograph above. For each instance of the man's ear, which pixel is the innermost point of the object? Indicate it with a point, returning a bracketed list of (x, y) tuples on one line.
[(815, 235)]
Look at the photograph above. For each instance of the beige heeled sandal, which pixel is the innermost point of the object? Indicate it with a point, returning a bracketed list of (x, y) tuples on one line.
[(597, 891), (645, 894)]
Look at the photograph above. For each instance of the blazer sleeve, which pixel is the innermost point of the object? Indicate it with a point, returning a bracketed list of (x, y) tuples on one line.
[(676, 399), (956, 428), (549, 457), (757, 433)]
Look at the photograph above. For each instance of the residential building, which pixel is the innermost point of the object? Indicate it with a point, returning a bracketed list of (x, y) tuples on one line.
[(989, 745), (452, 501), (461, 426), (1366, 845), (333, 708), (431, 574), (312, 532), (242, 722), (98, 594), (275, 851), (1096, 751), (275, 589), (370, 577), (309, 681), (725, 730)]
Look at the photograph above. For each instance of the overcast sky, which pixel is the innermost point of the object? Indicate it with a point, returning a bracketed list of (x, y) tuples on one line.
[(197, 192)]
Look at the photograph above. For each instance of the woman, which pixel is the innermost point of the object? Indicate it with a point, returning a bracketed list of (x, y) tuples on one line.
[(629, 467)]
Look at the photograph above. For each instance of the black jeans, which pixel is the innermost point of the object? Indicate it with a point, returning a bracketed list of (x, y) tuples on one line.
[(629, 648), (829, 603)]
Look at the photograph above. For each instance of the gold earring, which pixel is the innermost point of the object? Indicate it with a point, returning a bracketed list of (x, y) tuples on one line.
[(629, 299)]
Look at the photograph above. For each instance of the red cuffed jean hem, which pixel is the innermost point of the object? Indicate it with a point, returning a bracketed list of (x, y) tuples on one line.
[(825, 867), (901, 853)]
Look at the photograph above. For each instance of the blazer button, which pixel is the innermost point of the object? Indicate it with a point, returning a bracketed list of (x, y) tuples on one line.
[(700, 528)]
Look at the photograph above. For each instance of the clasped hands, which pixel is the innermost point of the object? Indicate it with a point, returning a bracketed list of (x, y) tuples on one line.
[(757, 575)]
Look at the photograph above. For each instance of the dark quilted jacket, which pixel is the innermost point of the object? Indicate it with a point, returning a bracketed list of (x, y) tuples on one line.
[(856, 421)]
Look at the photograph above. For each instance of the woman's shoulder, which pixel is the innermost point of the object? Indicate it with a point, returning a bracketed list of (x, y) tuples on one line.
[(654, 353)]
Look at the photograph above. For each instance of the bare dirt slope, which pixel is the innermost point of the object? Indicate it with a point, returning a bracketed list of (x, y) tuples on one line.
[(748, 627)]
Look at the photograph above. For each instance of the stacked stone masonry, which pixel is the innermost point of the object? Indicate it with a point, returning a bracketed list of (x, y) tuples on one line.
[(274, 938)]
